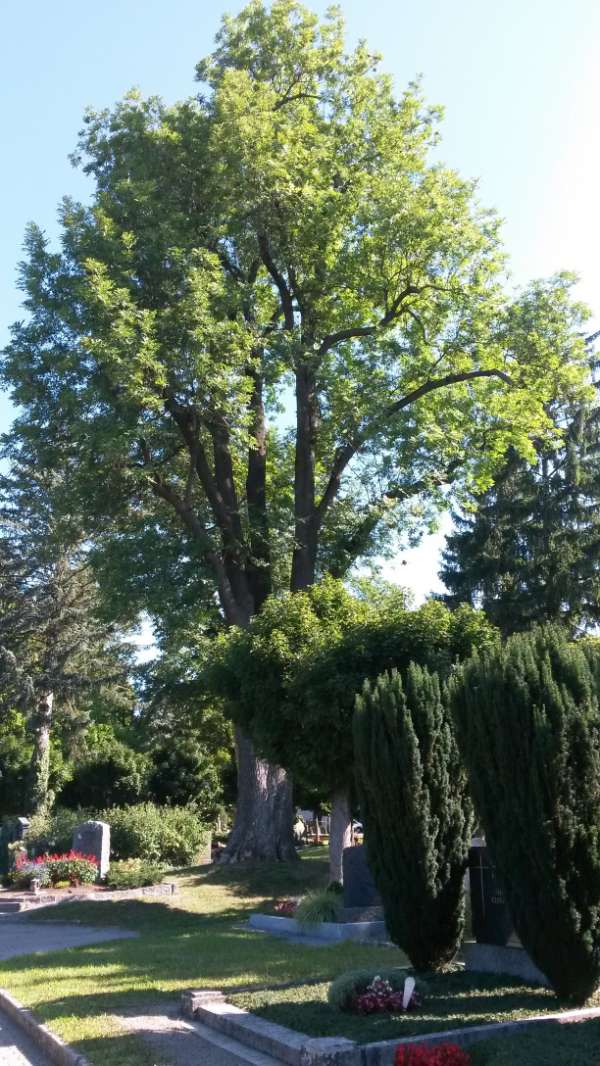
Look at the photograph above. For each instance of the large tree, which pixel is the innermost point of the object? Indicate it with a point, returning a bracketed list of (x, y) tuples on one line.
[(528, 552), (57, 651), (276, 324)]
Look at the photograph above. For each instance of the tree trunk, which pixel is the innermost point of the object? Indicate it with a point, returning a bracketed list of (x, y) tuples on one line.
[(39, 772), (340, 834), (264, 814)]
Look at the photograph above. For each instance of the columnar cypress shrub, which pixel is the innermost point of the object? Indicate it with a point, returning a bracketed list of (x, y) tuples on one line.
[(527, 716), (416, 812)]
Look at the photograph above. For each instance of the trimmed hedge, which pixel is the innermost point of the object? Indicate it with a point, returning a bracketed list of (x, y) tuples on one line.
[(528, 718), (416, 812)]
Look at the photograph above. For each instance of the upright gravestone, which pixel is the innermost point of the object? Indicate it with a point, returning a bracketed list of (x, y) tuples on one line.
[(495, 949), (93, 838), (359, 887), (490, 916)]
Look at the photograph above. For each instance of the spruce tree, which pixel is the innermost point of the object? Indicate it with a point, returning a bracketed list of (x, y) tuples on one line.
[(529, 551), (528, 724), (416, 812), (55, 645)]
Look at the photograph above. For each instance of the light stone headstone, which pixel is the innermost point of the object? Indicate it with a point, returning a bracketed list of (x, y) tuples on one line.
[(93, 838)]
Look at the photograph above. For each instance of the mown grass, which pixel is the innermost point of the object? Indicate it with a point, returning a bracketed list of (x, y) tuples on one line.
[(197, 941), (452, 1000)]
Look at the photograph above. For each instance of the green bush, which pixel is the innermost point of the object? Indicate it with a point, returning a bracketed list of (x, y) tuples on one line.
[(528, 720), (343, 988), (174, 836), (318, 907), (416, 812), (134, 873), (54, 832), (74, 868), (113, 776)]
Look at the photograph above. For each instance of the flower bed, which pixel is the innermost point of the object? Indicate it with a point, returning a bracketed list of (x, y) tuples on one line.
[(72, 868), (450, 1000), (442, 1055)]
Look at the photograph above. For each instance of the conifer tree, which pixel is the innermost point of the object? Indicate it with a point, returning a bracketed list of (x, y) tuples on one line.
[(528, 724), (55, 646), (416, 812), (530, 551)]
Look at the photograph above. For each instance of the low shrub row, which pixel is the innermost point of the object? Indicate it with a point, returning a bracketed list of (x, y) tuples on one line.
[(171, 836)]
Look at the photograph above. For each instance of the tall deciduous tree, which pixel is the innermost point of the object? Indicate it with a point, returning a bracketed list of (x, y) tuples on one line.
[(276, 324)]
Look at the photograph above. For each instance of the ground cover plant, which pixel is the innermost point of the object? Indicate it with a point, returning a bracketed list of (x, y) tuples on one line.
[(134, 873), (448, 1000)]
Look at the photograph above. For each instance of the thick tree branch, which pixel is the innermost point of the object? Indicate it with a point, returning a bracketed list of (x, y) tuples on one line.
[(347, 451), (287, 306), (393, 312)]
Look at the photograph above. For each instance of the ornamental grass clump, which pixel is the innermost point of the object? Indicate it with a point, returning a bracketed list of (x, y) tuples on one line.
[(318, 907), (416, 812), (528, 721)]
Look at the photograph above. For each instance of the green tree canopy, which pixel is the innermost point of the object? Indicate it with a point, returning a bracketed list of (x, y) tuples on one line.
[(277, 331), (529, 551)]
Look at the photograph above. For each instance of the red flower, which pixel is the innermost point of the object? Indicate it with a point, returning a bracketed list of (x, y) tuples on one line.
[(438, 1055)]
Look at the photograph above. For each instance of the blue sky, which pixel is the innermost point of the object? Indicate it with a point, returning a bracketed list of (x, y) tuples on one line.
[(519, 81)]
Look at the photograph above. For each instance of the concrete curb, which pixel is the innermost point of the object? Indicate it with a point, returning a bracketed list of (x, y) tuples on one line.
[(327, 931), (299, 1049), (57, 1051)]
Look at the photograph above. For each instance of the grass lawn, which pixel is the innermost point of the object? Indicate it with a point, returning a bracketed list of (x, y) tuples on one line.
[(453, 1000), (194, 941), (197, 940)]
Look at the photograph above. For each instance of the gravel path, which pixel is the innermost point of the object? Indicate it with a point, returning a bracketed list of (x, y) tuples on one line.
[(15, 1047), (20, 937)]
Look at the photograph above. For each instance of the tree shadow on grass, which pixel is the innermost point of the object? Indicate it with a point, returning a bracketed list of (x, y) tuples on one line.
[(255, 879), (550, 1044)]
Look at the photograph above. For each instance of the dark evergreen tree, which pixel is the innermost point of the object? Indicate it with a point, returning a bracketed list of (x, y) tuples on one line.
[(416, 812), (55, 644), (528, 724), (530, 552)]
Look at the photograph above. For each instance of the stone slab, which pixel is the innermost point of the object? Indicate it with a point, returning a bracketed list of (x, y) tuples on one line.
[(513, 961), (327, 931), (93, 838)]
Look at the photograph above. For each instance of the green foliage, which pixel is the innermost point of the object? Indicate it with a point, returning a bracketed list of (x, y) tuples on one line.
[(185, 772), (318, 907), (257, 235), (53, 831), (415, 810), (111, 776), (134, 873), (76, 870), (291, 677), (170, 835), (528, 718), (254, 669), (174, 836), (528, 553), (342, 989), (15, 758)]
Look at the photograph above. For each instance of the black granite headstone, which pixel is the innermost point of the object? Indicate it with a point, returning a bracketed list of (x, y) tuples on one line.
[(492, 923), (359, 888)]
